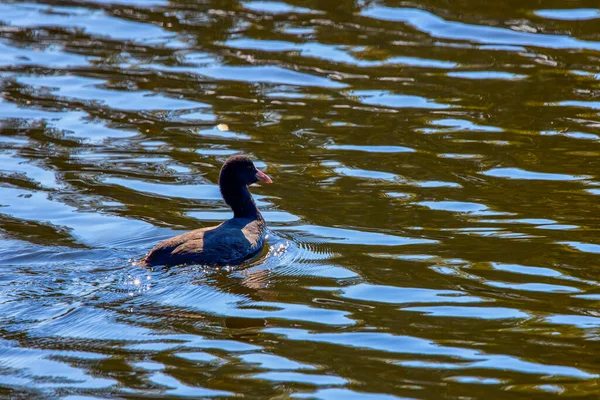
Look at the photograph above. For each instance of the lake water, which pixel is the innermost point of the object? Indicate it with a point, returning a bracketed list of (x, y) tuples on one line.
[(434, 221)]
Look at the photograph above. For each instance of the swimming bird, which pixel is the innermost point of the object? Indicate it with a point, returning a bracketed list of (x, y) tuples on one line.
[(230, 243)]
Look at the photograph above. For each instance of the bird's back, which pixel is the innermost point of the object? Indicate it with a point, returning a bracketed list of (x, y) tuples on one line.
[(231, 242)]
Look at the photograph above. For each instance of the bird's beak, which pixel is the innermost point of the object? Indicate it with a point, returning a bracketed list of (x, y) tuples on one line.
[(261, 176)]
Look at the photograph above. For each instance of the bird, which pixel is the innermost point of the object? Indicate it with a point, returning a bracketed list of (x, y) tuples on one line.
[(229, 243)]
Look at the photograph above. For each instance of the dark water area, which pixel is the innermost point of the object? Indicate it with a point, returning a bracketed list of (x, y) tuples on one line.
[(434, 221)]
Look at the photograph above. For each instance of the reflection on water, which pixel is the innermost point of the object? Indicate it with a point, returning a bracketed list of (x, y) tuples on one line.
[(434, 222)]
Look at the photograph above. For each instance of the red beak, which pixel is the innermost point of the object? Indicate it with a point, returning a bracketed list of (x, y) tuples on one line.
[(261, 176)]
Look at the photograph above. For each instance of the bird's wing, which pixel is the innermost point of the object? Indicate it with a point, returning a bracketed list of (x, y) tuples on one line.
[(163, 250)]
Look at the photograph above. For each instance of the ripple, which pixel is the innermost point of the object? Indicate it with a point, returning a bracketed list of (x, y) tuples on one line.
[(508, 364), (470, 312), (421, 62), (332, 53), (460, 156), (574, 14), (474, 380), (583, 104), (10, 164), (410, 345), (518, 173), (365, 174), (89, 323), (230, 305), (45, 369), (275, 7), (137, 3), (303, 258), (400, 295), (580, 321), (52, 57), (85, 227), (584, 247), (333, 394), (11, 110), (459, 207), (78, 125), (535, 287), (558, 227), (350, 236), (79, 88), (387, 99), (268, 74), (574, 135), (183, 341), (464, 125), (371, 149), (207, 191), (440, 28), (149, 366), (273, 362), (316, 50), (527, 270), (311, 379), (177, 388), (92, 22), (196, 356), (486, 75), (436, 184)]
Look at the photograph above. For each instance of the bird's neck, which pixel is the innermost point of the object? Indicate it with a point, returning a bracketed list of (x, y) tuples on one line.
[(241, 202)]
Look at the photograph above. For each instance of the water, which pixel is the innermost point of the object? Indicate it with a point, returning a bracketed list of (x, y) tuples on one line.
[(434, 217)]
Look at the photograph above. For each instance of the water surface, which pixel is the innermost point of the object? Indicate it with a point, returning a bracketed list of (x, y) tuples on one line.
[(434, 218)]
